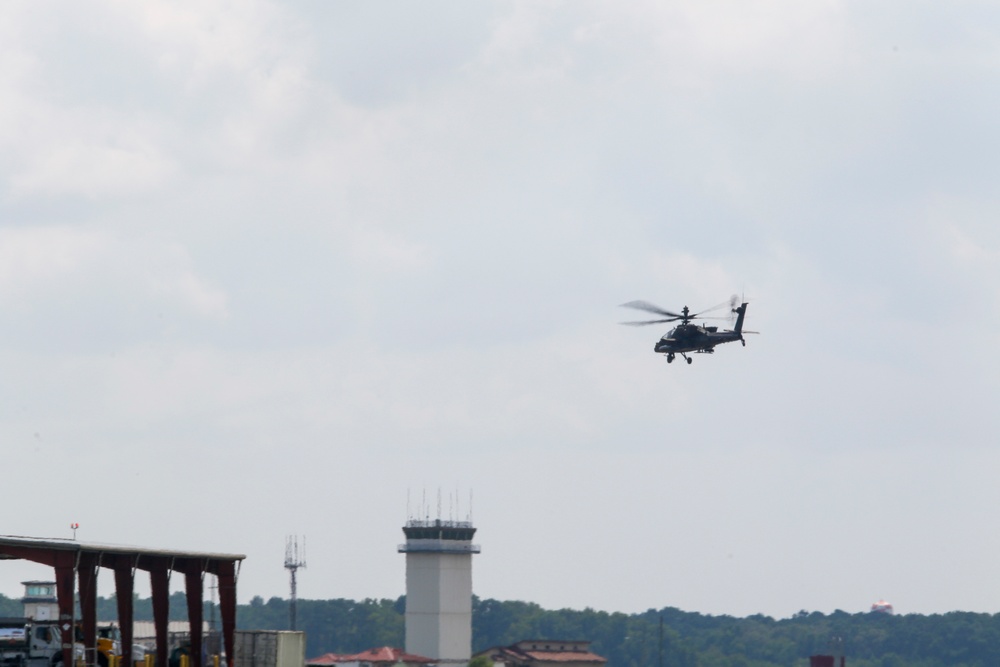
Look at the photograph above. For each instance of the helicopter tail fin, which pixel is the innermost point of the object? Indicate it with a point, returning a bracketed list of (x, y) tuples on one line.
[(740, 314)]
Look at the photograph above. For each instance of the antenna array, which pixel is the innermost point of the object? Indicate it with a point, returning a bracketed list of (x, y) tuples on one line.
[(294, 559), (422, 513)]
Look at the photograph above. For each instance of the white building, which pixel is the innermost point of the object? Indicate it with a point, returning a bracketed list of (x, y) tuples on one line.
[(439, 589), (40, 601)]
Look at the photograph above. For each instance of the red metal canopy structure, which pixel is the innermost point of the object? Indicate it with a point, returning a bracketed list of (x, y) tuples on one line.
[(81, 561)]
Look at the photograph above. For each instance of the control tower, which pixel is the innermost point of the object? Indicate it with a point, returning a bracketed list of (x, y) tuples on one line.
[(439, 589), (40, 601)]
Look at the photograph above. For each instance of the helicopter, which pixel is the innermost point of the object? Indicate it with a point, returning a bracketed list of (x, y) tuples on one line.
[(687, 337)]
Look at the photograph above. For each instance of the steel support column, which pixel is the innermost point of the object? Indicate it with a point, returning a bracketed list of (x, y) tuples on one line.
[(193, 571), (159, 579), (87, 577), (124, 590), (227, 606), (65, 569)]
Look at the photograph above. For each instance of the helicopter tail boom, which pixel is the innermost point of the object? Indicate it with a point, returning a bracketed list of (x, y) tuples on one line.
[(740, 314)]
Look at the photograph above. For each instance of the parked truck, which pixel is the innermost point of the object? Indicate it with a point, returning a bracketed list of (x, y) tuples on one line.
[(30, 643)]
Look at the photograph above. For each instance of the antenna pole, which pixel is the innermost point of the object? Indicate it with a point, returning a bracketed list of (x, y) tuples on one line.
[(294, 559)]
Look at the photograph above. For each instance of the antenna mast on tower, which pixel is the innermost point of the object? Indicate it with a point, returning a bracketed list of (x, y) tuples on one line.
[(294, 559)]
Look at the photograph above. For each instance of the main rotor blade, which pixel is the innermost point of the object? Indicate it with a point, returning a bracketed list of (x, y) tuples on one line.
[(645, 322), (649, 308), (708, 310)]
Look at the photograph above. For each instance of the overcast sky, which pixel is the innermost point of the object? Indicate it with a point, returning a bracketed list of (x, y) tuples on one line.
[(273, 269)]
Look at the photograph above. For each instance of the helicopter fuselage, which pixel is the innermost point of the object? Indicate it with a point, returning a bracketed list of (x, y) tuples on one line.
[(694, 338), (687, 337)]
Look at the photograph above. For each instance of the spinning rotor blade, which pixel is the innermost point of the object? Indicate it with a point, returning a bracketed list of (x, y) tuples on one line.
[(709, 310), (650, 308), (645, 322)]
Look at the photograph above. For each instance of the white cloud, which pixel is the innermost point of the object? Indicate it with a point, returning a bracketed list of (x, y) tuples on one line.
[(92, 170), (385, 251), (29, 257), (968, 252), (182, 285), (52, 273), (338, 243)]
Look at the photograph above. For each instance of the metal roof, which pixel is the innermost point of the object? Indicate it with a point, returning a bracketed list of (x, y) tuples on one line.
[(384, 654), (65, 544)]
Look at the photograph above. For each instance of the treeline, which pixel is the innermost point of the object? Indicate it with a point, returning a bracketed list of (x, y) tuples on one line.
[(957, 639), (668, 637)]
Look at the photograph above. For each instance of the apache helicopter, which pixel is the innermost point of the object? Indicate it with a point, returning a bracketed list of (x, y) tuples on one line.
[(687, 337)]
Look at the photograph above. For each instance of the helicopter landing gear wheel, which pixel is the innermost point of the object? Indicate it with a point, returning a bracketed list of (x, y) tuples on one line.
[(670, 358), (689, 360)]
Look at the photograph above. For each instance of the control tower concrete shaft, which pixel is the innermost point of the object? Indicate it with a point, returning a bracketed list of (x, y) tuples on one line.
[(439, 589)]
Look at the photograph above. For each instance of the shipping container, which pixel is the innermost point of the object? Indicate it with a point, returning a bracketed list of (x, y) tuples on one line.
[(269, 648)]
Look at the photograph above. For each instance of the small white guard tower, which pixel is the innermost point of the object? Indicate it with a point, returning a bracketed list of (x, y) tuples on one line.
[(40, 602)]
